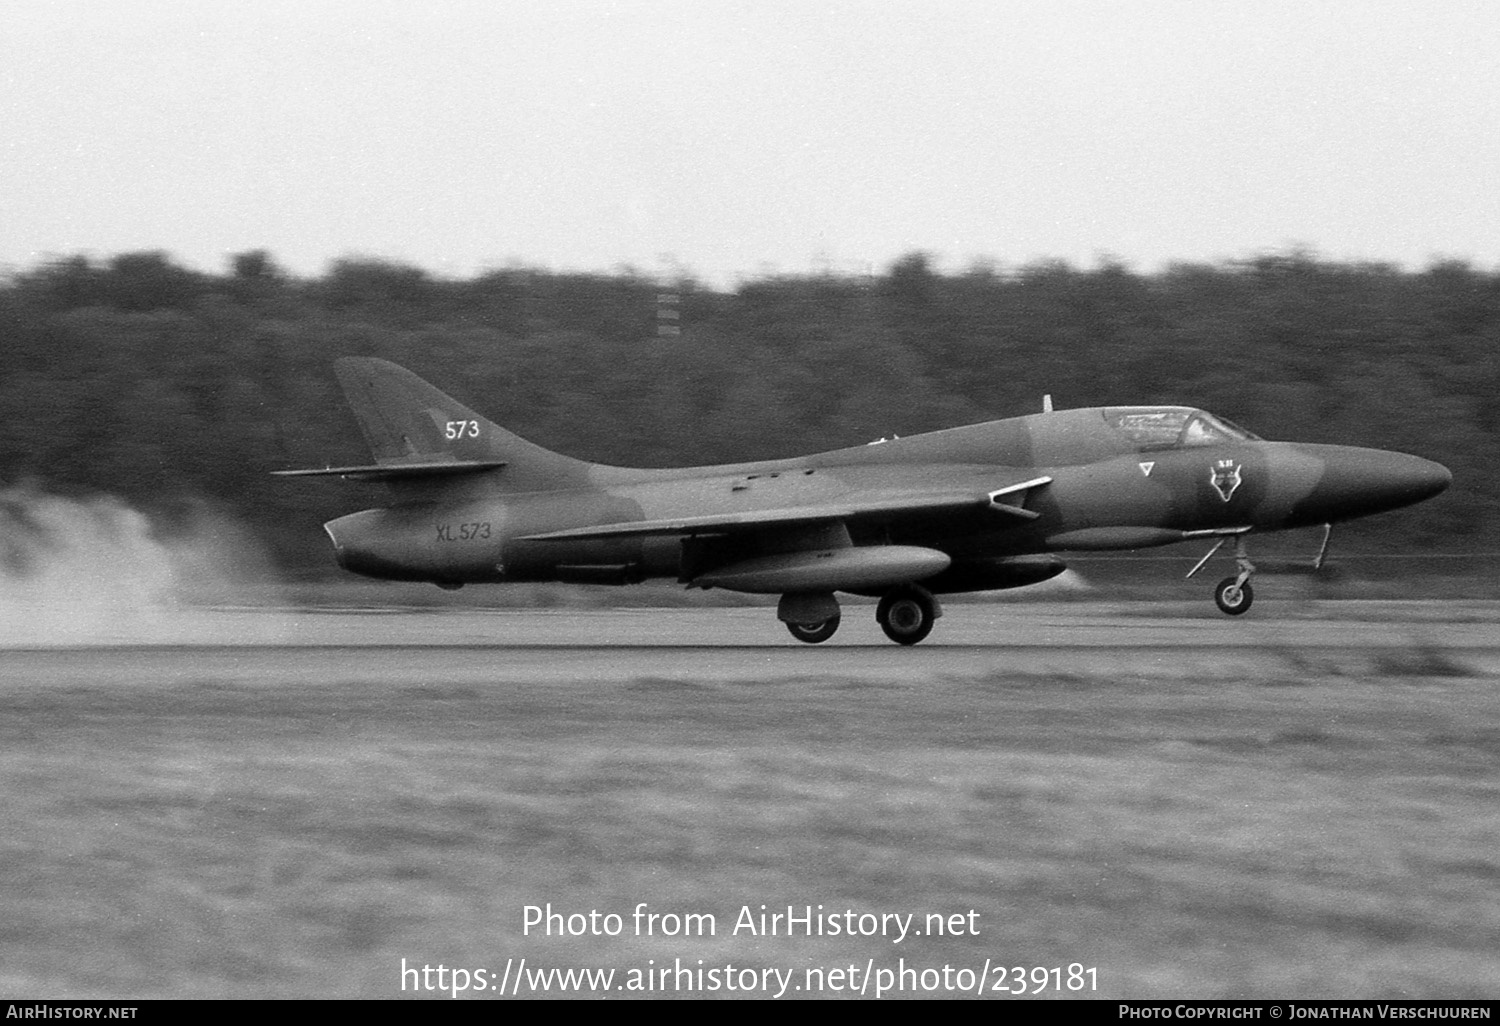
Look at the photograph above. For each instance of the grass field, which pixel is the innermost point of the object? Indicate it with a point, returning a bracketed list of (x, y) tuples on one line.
[(1303, 833)]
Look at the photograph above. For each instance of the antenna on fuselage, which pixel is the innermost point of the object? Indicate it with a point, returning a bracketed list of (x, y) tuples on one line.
[(1047, 403)]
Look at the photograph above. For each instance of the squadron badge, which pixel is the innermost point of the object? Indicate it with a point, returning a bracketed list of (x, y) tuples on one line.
[(1225, 477)]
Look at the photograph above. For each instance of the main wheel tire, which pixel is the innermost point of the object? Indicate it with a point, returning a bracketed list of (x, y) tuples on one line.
[(906, 615), (814, 633), (1233, 598)]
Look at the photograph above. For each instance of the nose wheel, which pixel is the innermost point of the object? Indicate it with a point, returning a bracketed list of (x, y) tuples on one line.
[(1233, 595)]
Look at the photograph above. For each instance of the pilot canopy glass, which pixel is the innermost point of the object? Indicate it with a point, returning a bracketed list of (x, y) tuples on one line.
[(1173, 427)]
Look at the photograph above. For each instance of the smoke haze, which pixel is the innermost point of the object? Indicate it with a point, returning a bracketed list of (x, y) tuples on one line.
[(89, 571)]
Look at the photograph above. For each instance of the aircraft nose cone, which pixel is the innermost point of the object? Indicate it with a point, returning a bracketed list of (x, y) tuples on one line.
[(1358, 482), (1408, 479)]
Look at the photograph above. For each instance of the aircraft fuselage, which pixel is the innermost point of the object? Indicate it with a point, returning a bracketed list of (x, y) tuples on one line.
[(1102, 494)]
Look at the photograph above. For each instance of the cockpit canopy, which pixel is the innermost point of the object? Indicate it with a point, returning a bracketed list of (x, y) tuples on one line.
[(1174, 427)]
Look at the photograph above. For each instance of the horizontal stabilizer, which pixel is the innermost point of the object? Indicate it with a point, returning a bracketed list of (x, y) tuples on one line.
[(399, 471)]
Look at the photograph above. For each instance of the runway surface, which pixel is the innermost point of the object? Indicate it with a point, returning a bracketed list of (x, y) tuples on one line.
[(279, 802), (1158, 639)]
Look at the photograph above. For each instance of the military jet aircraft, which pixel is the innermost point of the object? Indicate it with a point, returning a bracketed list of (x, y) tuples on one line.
[(973, 508)]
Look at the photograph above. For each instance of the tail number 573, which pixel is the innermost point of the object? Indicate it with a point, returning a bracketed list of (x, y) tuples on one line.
[(461, 429)]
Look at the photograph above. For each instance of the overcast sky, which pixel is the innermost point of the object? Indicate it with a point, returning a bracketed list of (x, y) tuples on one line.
[(734, 138)]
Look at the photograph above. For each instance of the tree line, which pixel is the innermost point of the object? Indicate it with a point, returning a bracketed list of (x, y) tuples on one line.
[(174, 388)]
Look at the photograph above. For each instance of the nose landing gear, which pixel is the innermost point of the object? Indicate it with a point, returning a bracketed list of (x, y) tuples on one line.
[(1233, 595)]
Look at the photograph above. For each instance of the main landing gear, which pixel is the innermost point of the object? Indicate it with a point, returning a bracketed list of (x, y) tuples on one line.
[(811, 616), (905, 613), (813, 633), (1233, 595)]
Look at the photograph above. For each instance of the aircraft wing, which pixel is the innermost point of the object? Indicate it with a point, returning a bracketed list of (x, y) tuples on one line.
[(398, 471), (856, 507)]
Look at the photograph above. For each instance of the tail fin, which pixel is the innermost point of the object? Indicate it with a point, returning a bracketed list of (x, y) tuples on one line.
[(404, 418), (415, 431)]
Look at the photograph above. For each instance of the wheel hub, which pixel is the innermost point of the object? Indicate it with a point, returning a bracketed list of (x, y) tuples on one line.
[(906, 616)]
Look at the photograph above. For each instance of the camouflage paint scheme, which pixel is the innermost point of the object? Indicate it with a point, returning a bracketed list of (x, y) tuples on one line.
[(970, 508)]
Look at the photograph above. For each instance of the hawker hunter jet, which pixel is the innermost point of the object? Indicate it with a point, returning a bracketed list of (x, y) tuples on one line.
[(966, 509)]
